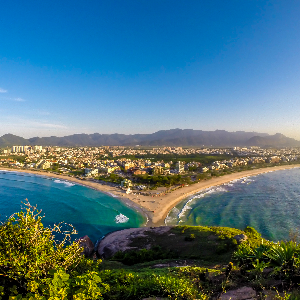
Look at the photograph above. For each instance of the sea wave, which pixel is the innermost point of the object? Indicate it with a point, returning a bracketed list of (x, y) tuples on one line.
[(218, 189), (121, 219), (208, 191), (66, 183), (111, 194), (8, 171), (172, 215)]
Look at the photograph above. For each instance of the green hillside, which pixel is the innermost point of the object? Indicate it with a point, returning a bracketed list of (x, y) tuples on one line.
[(186, 263)]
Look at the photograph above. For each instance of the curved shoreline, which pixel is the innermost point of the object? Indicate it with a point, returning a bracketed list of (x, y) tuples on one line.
[(198, 187), (108, 190), (156, 209)]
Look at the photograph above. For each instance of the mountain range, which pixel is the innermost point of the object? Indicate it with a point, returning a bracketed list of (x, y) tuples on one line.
[(172, 137)]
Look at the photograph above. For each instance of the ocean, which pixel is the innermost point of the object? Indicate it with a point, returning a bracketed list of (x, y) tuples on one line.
[(91, 212), (269, 202)]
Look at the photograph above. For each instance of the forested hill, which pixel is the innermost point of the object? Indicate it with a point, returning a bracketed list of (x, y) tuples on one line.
[(172, 137)]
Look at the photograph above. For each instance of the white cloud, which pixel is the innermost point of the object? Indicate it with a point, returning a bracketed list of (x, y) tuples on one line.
[(18, 99), (49, 125), (3, 90), (27, 127), (41, 124)]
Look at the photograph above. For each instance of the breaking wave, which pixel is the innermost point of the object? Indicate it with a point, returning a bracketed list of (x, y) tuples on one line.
[(202, 194), (121, 219), (66, 183)]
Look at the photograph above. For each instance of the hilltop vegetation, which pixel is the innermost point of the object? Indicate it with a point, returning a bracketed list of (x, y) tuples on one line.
[(186, 263)]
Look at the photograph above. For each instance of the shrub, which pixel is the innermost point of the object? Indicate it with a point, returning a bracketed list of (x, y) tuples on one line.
[(131, 285), (252, 233), (33, 264), (190, 238)]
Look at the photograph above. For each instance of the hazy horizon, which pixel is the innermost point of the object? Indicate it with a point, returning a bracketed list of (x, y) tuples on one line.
[(134, 67), (78, 133)]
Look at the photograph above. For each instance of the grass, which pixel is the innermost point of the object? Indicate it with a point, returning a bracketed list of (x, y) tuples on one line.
[(202, 269), (209, 246)]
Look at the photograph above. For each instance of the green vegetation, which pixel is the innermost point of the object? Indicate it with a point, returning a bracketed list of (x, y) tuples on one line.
[(110, 178), (212, 245), (19, 158), (34, 265), (144, 255), (138, 285), (79, 172), (159, 180)]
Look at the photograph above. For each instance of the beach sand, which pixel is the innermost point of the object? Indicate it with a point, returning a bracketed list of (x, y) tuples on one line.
[(157, 208)]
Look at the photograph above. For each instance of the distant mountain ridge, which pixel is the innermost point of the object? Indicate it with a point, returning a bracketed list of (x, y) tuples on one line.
[(172, 137)]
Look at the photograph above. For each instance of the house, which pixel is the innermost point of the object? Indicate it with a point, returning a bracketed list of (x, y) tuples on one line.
[(90, 172), (43, 164), (126, 183)]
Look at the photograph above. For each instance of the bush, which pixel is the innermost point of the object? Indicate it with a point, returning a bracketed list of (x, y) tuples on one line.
[(190, 238), (252, 233), (131, 285), (33, 264)]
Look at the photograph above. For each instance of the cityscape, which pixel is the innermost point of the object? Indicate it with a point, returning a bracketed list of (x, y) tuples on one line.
[(145, 169)]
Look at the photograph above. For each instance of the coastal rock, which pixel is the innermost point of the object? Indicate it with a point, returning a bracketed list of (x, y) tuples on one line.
[(108, 251), (240, 238), (242, 293), (121, 240), (87, 244)]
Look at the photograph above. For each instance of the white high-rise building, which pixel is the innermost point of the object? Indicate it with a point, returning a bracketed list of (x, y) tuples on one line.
[(180, 167), (23, 149), (17, 149)]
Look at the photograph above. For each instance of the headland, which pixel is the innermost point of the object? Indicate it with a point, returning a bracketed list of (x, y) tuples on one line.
[(156, 209)]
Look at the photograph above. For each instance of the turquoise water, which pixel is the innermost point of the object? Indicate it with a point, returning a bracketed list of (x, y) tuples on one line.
[(91, 212), (268, 202)]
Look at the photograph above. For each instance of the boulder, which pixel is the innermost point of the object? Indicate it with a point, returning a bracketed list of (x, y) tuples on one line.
[(87, 244), (121, 240), (240, 238), (108, 251)]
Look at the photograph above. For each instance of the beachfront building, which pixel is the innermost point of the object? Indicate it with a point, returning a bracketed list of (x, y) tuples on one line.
[(43, 164), (180, 167), (126, 183), (90, 172)]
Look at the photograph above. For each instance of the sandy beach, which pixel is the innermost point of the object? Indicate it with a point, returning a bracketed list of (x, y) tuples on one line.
[(157, 208)]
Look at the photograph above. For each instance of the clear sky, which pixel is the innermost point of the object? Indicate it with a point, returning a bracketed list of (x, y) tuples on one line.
[(140, 66)]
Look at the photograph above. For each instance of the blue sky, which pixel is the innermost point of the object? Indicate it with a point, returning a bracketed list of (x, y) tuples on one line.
[(140, 66)]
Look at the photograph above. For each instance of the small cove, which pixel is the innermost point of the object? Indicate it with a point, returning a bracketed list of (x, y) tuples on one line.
[(91, 212)]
